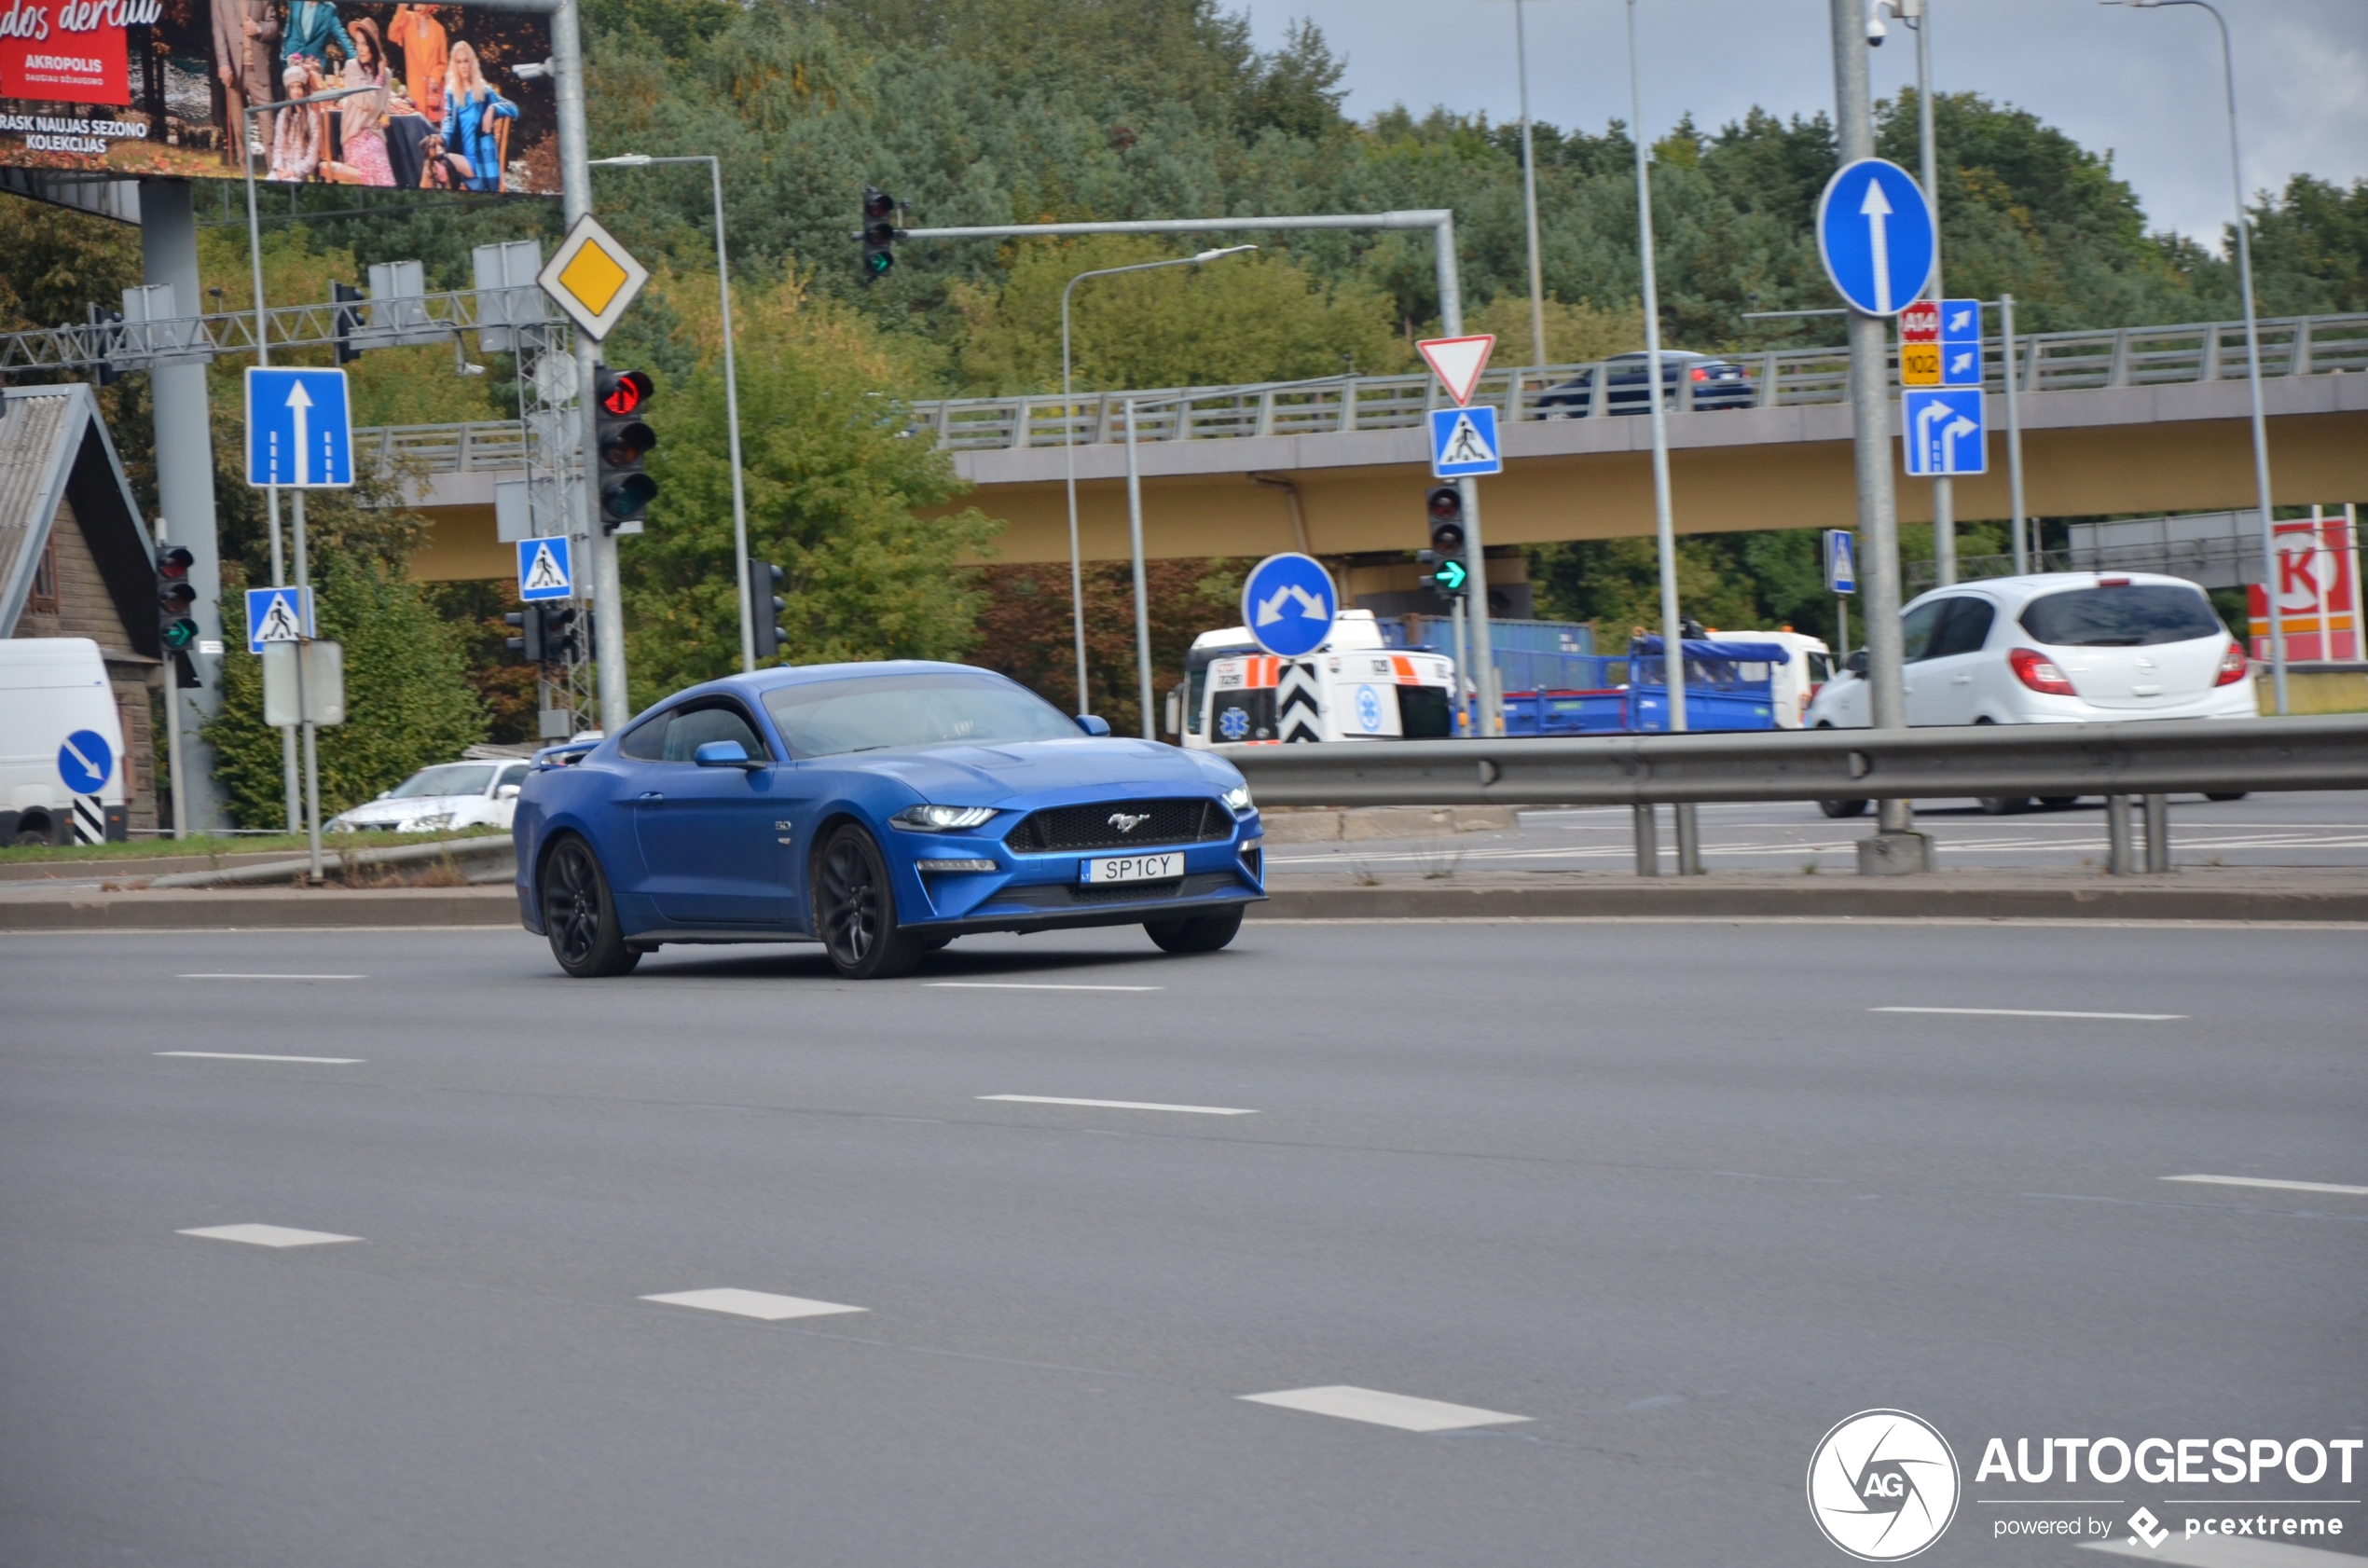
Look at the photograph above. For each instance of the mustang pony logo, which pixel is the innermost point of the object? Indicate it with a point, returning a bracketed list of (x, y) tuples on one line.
[(1126, 823)]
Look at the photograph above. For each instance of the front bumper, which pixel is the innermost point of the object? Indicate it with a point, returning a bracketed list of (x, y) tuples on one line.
[(1027, 891)]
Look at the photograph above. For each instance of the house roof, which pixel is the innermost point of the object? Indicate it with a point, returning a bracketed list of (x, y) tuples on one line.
[(54, 447)]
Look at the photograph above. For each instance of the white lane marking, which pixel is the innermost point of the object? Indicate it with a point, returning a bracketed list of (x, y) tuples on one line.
[(266, 1235), (752, 1304), (1401, 1410), (251, 1057), (271, 977), (1120, 1105), (2203, 1553), (2265, 1181), (2032, 1013), (1019, 985)]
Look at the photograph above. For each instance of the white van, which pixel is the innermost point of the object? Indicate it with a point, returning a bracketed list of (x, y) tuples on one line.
[(60, 743)]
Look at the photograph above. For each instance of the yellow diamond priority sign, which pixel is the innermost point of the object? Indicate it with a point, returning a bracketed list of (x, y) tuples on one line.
[(593, 277)]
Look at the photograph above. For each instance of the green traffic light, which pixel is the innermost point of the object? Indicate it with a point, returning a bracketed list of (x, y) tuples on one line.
[(1452, 575), (180, 633)]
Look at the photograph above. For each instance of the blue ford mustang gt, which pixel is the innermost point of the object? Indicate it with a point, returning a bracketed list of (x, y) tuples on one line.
[(882, 811)]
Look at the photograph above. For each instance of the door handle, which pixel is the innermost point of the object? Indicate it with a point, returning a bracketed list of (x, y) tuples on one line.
[(651, 795), (1960, 681)]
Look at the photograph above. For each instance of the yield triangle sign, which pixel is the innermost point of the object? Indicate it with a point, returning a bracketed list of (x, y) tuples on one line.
[(1458, 362)]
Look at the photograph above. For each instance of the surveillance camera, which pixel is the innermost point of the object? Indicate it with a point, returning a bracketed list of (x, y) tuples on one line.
[(1876, 31), (530, 70)]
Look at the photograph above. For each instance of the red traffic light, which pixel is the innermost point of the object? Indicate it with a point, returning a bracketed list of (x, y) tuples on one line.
[(623, 392), (174, 564), (879, 205)]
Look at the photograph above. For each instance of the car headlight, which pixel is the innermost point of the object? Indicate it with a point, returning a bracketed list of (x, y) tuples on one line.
[(943, 819), (435, 822), (1237, 798)]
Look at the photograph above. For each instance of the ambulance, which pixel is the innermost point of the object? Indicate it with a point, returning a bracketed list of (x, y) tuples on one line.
[(1354, 688)]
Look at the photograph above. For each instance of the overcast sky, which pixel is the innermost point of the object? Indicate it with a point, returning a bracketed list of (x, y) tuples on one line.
[(2145, 84)]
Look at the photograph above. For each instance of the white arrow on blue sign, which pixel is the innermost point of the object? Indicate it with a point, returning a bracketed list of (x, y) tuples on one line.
[(278, 615), (1464, 443), (1288, 603), (299, 430), (83, 762), (1943, 432), (1961, 342), (1875, 230), (545, 570), (1841, 561)]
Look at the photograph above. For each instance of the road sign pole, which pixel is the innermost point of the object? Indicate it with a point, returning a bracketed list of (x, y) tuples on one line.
[(1451, 322), (1142, 596), (1665, 523), (304, 706), (1944, 487), (2014, 430), (1870, 419)]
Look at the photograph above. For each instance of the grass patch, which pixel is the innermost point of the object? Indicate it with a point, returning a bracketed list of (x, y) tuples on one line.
[(213, 846)]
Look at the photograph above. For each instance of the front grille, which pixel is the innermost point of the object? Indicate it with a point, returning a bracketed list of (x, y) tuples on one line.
[(1068, 895), (1125, 892), (1089, 827)]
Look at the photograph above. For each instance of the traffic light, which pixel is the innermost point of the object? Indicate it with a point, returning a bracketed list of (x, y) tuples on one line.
[(560, 644), (1445, 572), (878, 234), (107, 370), (622, 440), (347, 319), (527, 644), (175, 595), (765, 605)]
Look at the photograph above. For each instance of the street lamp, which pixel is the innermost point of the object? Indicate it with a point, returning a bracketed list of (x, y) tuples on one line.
[(1069, 445), (2253, 349), (731, 390), (1917, 15)]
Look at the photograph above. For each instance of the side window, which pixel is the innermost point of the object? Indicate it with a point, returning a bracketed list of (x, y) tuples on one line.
[(1967, 627), (646, 741), (691, 729), (1916, 629), (515, 773)]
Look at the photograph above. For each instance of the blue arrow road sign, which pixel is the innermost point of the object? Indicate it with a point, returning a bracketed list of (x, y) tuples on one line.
[(1289, 604), (1961, 342), (1841, 561), (1942, 430), (299, 431), (1464, 442), (278, 615), (1875, 230), (85, 761), (544, 570)]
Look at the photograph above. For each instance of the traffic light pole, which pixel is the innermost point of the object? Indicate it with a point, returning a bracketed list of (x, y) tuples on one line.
[(576, 192), (1438, 220)]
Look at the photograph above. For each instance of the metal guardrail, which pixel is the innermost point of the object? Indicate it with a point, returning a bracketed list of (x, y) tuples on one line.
[(1780, 378), (2131, 758), (480, 446)]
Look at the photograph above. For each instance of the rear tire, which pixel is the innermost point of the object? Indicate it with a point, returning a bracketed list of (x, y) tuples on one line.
[(1204, 934), (580, 917), (1842, 808), (855, 910), (2004, 806), (2058, 802), (2238, 796)]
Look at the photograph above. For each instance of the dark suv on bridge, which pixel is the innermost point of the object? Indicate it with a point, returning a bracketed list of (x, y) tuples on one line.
[(1718, 383)]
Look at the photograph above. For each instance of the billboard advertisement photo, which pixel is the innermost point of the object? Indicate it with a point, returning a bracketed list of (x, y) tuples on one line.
[(160, 88)]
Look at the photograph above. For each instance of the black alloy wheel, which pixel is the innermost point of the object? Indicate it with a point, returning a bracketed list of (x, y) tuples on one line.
[(855, 910), (1842, 808), (579, 916), (1205, 934)]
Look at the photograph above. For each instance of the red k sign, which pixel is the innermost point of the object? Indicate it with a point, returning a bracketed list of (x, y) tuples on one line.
[(2317, 577)]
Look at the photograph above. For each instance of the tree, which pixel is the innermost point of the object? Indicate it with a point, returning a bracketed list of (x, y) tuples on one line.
[(1026, 630)]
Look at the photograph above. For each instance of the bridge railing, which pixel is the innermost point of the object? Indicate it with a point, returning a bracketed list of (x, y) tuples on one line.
[(479, 447), (1777, 377)]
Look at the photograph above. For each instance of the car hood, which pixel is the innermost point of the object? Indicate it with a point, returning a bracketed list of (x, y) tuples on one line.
[(409, 806), (1082, 769)]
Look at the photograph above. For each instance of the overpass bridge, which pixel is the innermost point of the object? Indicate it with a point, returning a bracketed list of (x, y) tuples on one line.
[(2130, 421)]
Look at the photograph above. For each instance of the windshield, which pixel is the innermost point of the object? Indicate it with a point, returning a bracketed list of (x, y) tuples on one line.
[(454, 778), (2137, 616), (870, 713)]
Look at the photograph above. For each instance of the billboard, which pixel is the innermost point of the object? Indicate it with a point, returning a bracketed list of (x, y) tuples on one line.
[(160, 87)]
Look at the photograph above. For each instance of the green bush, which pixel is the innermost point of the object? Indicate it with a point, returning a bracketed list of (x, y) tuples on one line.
[(408, 700)]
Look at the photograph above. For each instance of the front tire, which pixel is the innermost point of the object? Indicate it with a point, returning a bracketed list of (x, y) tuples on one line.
[(2004, 806), (580, 917), (2238, 796), (1205, 934), (855, 910), (1842, 808)]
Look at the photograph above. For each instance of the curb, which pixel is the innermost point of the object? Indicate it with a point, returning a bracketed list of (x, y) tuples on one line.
[(1872, 899)]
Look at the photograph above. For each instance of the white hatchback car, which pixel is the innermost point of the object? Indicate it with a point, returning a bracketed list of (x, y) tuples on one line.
[(2056, 648), (439, 799)]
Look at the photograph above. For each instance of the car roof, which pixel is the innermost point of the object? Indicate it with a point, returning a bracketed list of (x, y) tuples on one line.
[(754, 684), (2020, 590)]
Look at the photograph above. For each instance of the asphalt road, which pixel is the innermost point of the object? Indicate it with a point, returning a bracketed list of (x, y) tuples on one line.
[(1670, 1191), (2305, 829)]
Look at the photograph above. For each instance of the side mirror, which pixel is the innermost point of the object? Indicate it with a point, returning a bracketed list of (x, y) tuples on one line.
[(507, 792), (723, 753), (1092, 724), (1857, 664)]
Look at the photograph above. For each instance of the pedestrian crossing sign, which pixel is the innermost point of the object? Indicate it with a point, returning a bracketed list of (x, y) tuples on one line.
[(278, 615), (1464, 442), (545, 570)]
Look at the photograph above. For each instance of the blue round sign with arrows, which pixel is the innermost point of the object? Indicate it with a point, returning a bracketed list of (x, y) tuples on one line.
[(85, 761), (1289, 604), (1875, 230)]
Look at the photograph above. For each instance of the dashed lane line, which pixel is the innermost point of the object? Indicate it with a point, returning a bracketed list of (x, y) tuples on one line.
[(2267, 1181), (266, 1235), (752, 1304), (2034, 1012), (1400, 1410), (252, 1056), (1120, 1104)]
